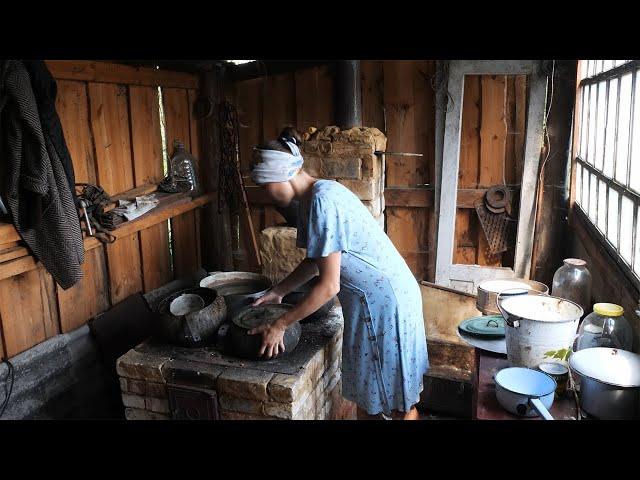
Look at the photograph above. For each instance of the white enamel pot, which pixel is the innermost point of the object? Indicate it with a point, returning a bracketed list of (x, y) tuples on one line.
[(525, 392), (537, 326)]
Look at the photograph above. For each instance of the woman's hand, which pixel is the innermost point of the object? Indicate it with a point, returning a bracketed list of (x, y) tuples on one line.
[(272, 296), (272, 338)]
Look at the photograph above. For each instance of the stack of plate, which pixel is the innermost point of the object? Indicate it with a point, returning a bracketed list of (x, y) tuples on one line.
[(489, 326)]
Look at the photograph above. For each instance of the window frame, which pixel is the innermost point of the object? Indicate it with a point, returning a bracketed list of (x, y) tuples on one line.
[(579, 214)]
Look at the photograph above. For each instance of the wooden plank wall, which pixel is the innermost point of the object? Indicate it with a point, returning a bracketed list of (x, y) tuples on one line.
[(110, 117), (398, 99)]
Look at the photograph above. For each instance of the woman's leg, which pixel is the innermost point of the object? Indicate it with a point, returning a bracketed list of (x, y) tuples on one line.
[(362, 414)]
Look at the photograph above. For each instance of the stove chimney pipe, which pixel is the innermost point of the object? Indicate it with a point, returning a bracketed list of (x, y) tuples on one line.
[(348, 94)]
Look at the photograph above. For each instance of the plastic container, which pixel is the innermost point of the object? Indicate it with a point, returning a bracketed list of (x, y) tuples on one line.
[(182, 168), (605, 327), (572, 281)]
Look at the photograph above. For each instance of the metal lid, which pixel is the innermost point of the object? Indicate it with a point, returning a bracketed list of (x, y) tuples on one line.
[(251, 317), (608, 365), (608, 309)]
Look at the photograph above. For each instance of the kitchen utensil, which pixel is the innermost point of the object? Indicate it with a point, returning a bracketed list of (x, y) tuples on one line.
[(490, 344), (239, 289), (191, 326), (609, 382), (488, 292), (538, 327), (241, 344), (485, 326), (525, 392), (298, 294), (559, 372)]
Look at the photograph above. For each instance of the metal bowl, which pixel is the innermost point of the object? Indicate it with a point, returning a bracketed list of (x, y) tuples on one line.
[(241, 344), (239, 289)]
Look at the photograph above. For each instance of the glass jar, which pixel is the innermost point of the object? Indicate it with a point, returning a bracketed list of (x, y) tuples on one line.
[(605, 327), (572, 281), (182, 169)]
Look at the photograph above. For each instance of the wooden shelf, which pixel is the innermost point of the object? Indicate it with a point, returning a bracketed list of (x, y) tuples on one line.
[(162, 213)]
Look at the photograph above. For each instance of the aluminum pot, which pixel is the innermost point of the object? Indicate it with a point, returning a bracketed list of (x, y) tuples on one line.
[(537, 326), (525, 392), (239, 289), (298, 294), (239, 343), (487, 298), (609, 382)]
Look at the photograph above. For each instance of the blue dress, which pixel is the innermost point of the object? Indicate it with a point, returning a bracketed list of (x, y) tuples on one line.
[(384, 353)]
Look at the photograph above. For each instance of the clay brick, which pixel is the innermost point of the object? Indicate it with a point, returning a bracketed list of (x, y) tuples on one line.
[(229, 415), (374, 206), (341, 168), (312, 165), (279, 253), (138, 387), (141, 366), (157, 390), (242, 405), (244, 383), (124, 387), (157, 405), (134, 401), (287, 388), (366, 189), (138, 414), (195, 374), (371, 166)]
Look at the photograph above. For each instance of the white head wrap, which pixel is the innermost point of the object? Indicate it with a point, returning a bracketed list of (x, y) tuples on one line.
[(274, 166)]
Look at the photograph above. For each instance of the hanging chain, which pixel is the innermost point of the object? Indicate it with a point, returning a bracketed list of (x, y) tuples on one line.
[(229, 183)]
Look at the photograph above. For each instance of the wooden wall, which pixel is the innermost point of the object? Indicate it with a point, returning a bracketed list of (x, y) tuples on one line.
[(398, 98), (111, 122)]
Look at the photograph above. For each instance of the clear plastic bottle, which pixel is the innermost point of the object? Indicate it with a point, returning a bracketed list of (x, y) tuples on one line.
[(605, 327), (573, 282), (182, 168)]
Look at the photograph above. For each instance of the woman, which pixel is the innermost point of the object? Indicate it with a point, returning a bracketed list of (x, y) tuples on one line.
[(384, 354)]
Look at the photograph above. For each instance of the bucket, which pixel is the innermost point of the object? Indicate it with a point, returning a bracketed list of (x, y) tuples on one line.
[(538, 327)]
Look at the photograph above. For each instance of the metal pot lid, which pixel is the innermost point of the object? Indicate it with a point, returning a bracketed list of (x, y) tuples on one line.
[(612, 366), (252, 317), (485, 326)]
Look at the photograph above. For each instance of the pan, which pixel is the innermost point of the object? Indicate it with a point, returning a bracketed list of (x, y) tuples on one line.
[(525, 392)]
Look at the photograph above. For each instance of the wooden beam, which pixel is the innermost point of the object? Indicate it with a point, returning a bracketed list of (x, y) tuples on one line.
[(104, 72), (249, 71)]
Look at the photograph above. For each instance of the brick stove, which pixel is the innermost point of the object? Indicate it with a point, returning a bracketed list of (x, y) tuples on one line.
[(160, 382)]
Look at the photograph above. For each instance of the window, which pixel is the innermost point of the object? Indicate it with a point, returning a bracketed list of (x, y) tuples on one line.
[(607, 183)]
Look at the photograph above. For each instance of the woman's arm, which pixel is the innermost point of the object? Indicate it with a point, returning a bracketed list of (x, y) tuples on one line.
[(321, 293), (304, 272)]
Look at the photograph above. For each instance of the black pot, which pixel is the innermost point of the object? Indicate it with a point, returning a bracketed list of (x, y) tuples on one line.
[(239, 289), (297, 295), (239, 343), (193, 329)]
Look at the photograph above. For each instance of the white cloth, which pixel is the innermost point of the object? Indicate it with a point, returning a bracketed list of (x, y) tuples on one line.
[(132, 210), (273, 166)]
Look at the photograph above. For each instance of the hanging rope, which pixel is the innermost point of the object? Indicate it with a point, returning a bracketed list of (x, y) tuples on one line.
[(229, 183)]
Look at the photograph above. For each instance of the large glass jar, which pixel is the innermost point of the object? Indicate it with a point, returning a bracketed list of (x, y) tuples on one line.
[(182, 169), (605, 327), (573, 282)]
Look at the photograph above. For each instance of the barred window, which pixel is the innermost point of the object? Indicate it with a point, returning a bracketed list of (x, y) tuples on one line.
[(607, 183)]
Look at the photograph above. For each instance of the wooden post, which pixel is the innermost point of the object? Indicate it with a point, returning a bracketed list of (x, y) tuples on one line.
[(550, 245), (215, 231)]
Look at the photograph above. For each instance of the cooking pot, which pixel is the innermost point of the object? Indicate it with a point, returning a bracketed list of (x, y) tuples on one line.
[(487, 297), (238, 342), (239, 289), (298, 294), (190, 317), (609, 382), (537, 326), (525, 392)]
